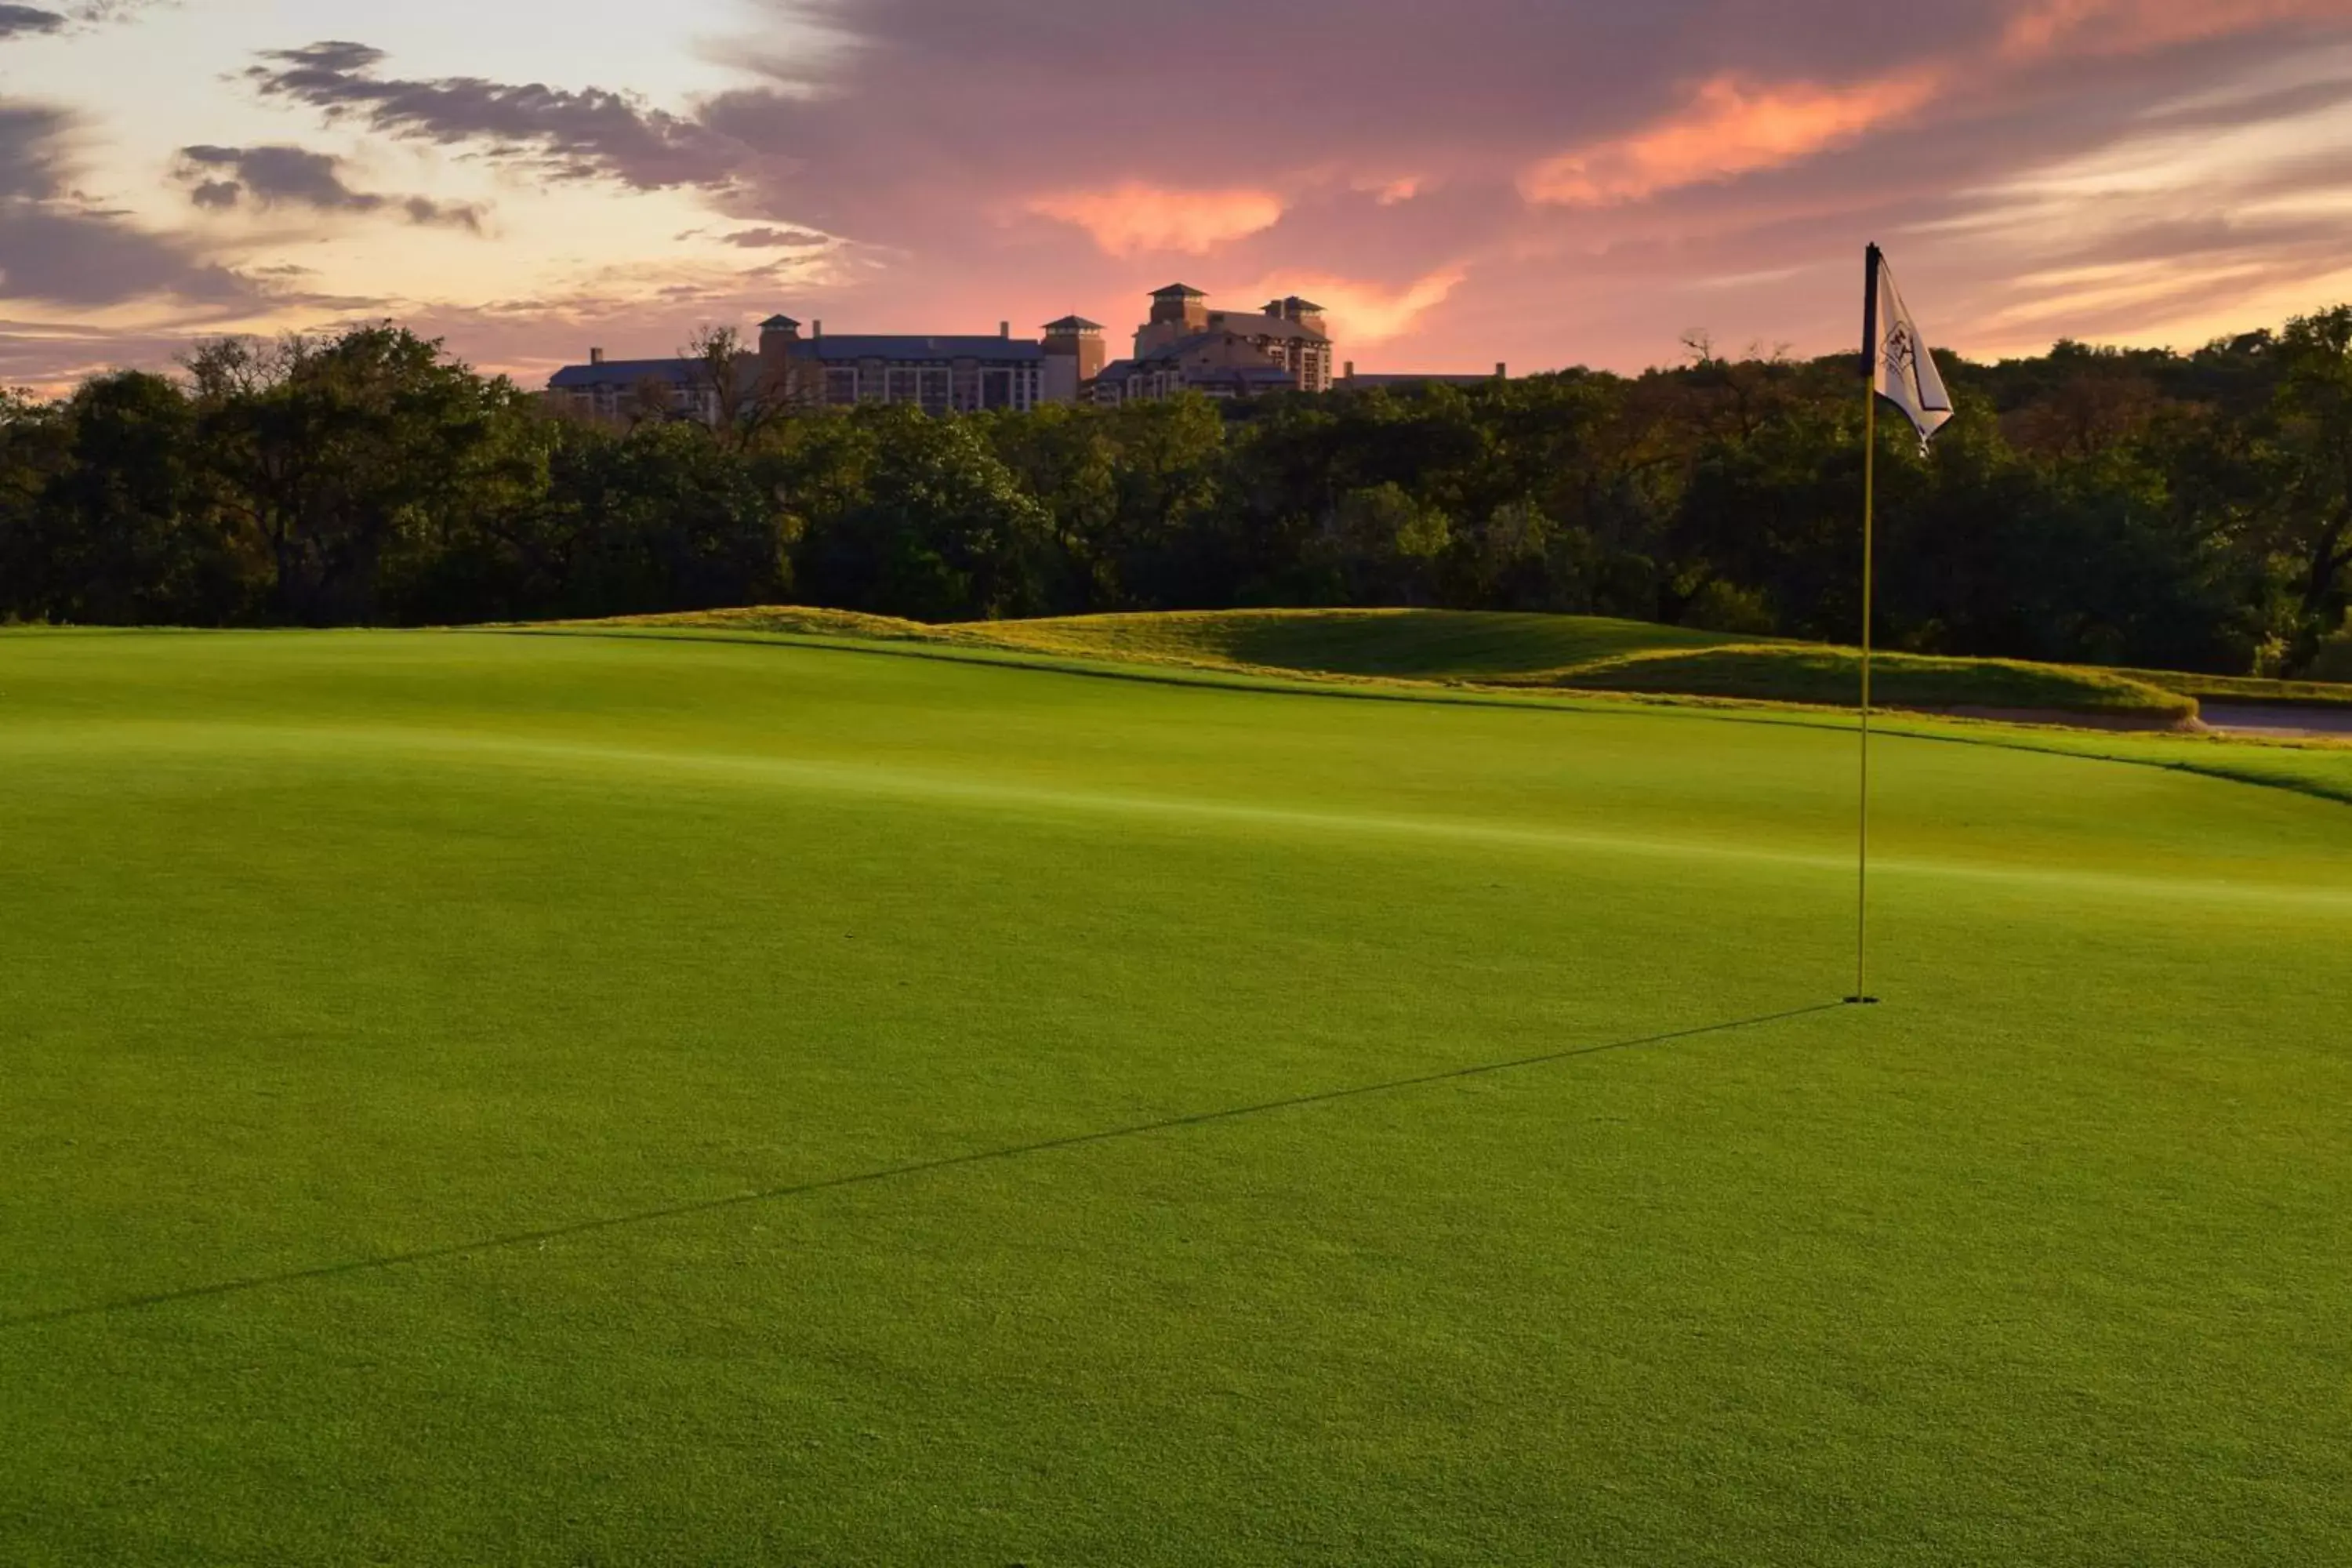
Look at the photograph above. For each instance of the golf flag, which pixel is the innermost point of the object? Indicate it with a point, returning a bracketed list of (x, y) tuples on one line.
[(1902, 371)]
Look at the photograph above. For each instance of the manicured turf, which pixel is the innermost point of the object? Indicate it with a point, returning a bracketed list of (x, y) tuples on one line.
[(1585, 653), (1430, 645), (328, 950)]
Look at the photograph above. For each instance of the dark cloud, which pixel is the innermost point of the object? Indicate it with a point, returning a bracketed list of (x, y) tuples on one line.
[(103, 11), (224, 177), (57, 248), (28, 135), (18, 21), (23, 21), (592, 133)]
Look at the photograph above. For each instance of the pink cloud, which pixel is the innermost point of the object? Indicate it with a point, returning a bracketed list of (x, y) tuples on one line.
[(1610, 175), (1361, 312), (1137, 219), (2044, 27), (1730, 127)]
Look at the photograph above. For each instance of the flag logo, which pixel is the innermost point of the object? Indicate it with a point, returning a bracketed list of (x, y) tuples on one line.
[(1901, 356)]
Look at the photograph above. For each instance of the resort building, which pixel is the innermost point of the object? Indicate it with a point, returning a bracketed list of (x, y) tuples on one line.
[(1075, 353), (613, 389), (939, 374), (1185, 346), (1188, 346)]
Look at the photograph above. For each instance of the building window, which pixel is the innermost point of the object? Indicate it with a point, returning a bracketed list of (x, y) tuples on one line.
[(904, 385), (938, 391), (841, 386), (996, 388)]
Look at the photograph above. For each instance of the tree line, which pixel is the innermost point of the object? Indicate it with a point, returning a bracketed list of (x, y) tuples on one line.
[(2190, 511)]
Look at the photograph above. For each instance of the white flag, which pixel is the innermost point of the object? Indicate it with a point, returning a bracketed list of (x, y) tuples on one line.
[(1902, 371)]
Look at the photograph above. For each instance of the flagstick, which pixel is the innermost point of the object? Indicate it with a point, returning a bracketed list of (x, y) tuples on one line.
[(1869, 578)]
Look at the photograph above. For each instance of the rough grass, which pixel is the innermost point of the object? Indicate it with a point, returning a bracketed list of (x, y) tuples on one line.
[(1808, 673), (2247, 689), (1574, 652), (1425, 645), (634, 1098)]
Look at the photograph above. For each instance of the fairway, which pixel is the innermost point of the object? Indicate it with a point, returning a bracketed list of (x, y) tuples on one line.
[(483, 1097)]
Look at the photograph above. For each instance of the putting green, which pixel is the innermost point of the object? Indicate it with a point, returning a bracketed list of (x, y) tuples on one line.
[(480, 1097)]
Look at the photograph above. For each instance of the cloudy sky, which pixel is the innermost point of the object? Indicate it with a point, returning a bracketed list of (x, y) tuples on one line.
[(1546, 182)]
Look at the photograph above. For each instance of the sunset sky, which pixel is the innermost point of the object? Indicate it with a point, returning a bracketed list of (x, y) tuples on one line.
[(1546, 182)]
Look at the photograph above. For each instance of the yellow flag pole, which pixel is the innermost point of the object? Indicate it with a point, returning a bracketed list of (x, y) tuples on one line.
[(1862, 996), (1869, 576)]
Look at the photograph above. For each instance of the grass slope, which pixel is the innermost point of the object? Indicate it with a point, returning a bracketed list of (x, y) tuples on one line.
[(2320, 768), (1570, 652), (609, 979), (1427, 644), (1809, 673), (2247, 689)]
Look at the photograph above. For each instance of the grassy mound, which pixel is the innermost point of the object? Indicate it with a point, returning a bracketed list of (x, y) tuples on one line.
[(1584, 653), (1798, 672), (2247, 688), (786, 620), (1413, 645)]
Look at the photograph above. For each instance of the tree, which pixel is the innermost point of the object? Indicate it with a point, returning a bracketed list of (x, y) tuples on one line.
[(2311, 443), (32, 449), (124, 530), (328, 449), (1066, 457), (938, 530), (745, 396), (1383, 546), (661, 519)]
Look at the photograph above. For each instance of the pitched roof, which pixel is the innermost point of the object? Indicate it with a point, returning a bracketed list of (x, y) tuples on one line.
[(1184, 290), (1251, 324), (869, 345), (1074, 324), (1182, 346), (1407, 378), (624, 373)]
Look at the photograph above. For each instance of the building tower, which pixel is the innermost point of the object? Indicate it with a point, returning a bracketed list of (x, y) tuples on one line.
[(1177, 312), (1305, 312), (778, 334), (1075, 355)]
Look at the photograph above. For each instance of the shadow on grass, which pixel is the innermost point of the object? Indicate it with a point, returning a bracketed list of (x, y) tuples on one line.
[(886, 1173)]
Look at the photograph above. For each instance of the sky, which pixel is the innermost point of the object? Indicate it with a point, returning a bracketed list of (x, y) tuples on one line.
[(1544, 183)]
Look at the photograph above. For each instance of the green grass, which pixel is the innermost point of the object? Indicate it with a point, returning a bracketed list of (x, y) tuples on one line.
[(1425, 645), (1570, 652), (1809, 673), (325, 949), (1416, 644), (2247, 689)]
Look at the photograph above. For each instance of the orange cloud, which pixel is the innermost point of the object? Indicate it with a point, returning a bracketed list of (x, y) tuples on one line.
[(1365, 313), (2045, 28), (1136, 219), (1731, 127), (1389, 193)]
